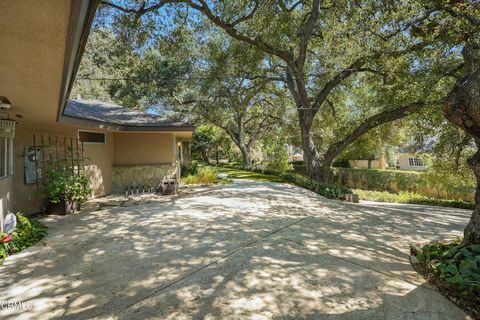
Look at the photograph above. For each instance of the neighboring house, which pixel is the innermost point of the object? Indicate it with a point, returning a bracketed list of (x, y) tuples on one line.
[(42, 44), (294, 153), (410, 162)]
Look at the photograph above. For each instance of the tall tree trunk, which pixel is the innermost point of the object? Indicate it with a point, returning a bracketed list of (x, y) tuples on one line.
[(326, 165), (472, 231), (246, 154), (382, 161), (462, 107), (311, 156)]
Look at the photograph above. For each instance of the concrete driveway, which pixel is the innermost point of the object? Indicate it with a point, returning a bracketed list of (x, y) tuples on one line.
[(248, 250)]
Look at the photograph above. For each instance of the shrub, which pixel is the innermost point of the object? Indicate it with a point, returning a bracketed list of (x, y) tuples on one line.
[(427, 183), (412, 198), (27, 233), (278, 158), (456, 264), (204, 175), (63, 183), (189, 168), (330, 191)]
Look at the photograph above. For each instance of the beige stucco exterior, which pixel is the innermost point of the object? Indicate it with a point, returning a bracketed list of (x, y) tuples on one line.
[(33, 38), (41, 45), (26, 198), (144, 148), (403, 162), (120, 149)]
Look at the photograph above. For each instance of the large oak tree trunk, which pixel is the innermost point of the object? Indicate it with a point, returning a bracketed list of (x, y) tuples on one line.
[(326, 166), (246, 155), (310, 153), (463, 109), (472, 231)]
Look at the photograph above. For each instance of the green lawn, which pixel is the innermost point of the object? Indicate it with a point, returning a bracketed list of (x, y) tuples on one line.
[(243, 174)]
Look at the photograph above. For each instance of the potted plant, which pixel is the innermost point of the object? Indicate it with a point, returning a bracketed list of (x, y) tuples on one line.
[(65, 188)]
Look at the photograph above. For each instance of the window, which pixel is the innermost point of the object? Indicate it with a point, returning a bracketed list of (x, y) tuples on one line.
[(415, 162), (91, 136), (6, 157)]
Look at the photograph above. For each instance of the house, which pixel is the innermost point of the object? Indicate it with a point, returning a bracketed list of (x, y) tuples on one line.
[(410, 162), (405, 161), (42, 44)]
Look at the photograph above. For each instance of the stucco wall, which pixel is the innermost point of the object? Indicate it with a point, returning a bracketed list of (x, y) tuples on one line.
[(403, 162), (100, 160), (120, 149), (100, 156), (143, 148)]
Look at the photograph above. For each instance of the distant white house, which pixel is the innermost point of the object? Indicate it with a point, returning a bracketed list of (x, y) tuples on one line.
[(406, 162), (410, 162)]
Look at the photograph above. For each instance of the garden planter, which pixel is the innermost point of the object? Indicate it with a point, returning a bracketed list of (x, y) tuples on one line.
[(63, 207)]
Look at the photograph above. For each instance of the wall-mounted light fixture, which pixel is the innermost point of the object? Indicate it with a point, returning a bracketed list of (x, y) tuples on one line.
[(4, 103)]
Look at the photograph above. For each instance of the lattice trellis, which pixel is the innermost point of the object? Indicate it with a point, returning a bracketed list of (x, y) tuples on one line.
[(65, 152)]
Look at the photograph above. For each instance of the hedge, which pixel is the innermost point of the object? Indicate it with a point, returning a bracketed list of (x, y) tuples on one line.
[(330, 191)]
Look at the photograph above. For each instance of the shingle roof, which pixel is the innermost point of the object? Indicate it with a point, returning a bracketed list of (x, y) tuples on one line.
[(116, 114)]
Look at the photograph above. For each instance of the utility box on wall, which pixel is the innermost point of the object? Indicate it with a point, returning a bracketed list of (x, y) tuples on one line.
[(32, 156)]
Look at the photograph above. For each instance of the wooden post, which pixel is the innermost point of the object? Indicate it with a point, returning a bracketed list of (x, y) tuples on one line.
[(64, 151), (50, 148), (77, 156), (71, 155)]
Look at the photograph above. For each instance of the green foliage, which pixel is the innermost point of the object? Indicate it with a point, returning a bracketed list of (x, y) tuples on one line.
[(206, 139), (445, 174), (379, 180), (330, 191), (189, 168), (27, 233), (413, 198), (63, 183), (278, 155), (408, 182), (204, 175), (457, 265)]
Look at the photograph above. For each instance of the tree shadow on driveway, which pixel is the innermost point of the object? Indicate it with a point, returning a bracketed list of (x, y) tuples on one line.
[(244, 250)]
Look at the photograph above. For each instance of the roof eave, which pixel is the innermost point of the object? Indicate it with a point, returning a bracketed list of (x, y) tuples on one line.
[(81, 18), (70, 120)]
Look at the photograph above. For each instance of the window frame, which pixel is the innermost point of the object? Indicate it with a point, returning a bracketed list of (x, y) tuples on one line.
[(92, 131), (415, 163)]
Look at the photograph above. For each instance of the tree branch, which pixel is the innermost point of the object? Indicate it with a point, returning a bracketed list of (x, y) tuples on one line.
[(330, 85), (234, 33), (246, 17), (143, 9), (306, 32), (375, 121)]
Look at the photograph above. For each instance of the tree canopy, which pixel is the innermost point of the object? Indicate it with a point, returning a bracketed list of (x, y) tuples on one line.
[(351, 70)]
